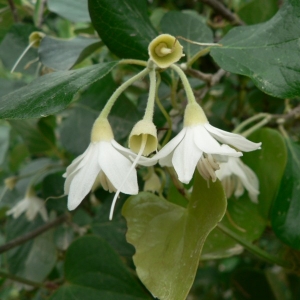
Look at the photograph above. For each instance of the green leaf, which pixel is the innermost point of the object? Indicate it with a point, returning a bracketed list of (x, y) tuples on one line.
[(264, 162), (285, 214), (73, 10), (50, 93), (267, 53), (258, 11), (94, 271), (34, 259), (218, 245), (188, 26), (35, 139), (124, 26), (4, 140), (169, 238), (14, 44), (59, 54)]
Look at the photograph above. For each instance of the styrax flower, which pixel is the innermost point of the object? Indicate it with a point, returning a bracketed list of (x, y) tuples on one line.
[(105, 160), (196, 144), (236, 177), (31, 205)]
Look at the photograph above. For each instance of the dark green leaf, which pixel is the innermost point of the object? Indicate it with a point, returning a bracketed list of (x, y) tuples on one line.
[(94, 271), (36, 140), (14, 44), (188, 26), (219, 245), (285, 214), (50, 93), (268, 164), (258, 11), (169, 238), (34, 259), (4, 140), (124, 26), (268, 53), (59, 54), (73, 10)]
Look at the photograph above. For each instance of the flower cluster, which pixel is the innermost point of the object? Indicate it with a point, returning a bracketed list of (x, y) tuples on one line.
[(214, 152)]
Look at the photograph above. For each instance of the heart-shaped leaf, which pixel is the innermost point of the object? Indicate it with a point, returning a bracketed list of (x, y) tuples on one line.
[(285, 214), (268, 52), (94, 271), (169, 238)]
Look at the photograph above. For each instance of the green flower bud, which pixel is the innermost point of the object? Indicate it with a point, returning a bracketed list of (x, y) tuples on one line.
[(165, 50), (139, 130), (35, 38)]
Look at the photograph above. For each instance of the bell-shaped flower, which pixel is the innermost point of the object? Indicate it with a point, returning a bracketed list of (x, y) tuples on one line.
[(104, 160), (31, 205), (165, 50), (236, 177), (197, 145)]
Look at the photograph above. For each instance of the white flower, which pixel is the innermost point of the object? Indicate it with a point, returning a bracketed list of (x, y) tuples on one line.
[(236, 176), (104, 161), (196, 145), (31, 205)]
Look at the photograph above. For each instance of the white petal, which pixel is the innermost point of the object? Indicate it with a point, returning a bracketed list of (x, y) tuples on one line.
[(206, 143), (72, 167), (165, 154), (84, 178), (186, 157), (116, 167), (19, 208), (144, 161), (77, 164), (233, 139)]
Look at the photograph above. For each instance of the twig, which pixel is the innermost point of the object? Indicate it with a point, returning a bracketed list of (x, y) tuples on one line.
[(28, 236), (222, 10), (210, 79), (13, 10), (21, 280), (292, 114)]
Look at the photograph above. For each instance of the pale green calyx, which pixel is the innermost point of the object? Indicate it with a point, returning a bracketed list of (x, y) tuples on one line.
[(141, 130), (101, 131), (194, 115), (35, 38), (165, 50)]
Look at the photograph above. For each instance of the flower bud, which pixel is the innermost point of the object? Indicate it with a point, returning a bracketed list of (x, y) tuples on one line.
[(141, 128), (35, 38), (165, 50)]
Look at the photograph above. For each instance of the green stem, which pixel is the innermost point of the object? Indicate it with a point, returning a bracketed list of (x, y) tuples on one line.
[(239, 128), (164, 112), (255, 250), (186, 84), (262, 123), (197, 56), (151, 98), (133, 62), (20, 279), (111, 101)]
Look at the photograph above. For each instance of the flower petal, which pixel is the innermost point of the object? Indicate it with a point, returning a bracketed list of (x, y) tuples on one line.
[(186, 157), (116, 167), (84, 178), (19, 208), (144, 161), (165, 154), (233, 139)]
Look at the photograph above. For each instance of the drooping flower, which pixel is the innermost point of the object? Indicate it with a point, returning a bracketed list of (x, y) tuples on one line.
[(236, 177), (197, 145), (105, 161), (31, 205)]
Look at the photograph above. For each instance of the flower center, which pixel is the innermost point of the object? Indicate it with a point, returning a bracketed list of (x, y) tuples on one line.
[(207, 167), (162, 50)]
